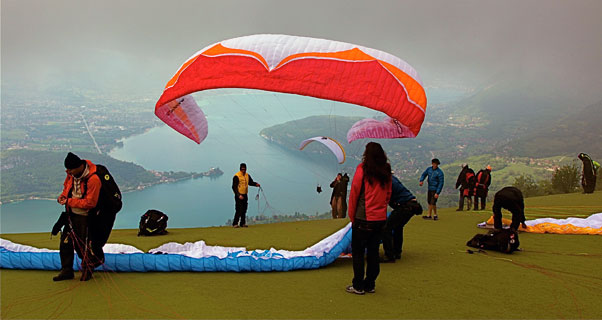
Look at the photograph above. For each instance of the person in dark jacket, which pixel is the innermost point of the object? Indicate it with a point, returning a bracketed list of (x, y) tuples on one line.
[(483, 180), (511, 199), (589, 173), (435, 181), (368, 199), (240, 185), (466, 182), (338, 199), (404, 206)]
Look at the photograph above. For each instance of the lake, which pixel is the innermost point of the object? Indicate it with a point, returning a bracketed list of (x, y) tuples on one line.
[(288, 178)]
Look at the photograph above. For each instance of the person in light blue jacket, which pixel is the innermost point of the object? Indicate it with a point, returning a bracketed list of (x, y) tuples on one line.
[(435, 182)]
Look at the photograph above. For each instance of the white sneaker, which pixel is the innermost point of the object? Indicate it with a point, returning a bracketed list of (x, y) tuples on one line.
[(351, 289)]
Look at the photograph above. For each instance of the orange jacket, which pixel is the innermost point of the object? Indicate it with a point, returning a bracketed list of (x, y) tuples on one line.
[(90, 199), (376, 198)]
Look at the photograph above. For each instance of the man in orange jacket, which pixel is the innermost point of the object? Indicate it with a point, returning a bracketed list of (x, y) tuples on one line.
[(81, 190)]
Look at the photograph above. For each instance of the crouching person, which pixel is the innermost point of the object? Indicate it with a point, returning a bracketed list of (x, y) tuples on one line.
[(404, 206), (511, 199)]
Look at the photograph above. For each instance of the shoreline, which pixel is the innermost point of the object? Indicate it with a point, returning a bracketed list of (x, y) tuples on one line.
[(139, 188), (117, 145)]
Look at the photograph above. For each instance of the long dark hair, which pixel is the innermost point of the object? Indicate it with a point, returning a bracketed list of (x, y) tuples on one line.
[(376, 165)]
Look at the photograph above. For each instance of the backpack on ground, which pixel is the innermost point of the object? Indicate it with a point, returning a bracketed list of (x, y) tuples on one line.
[(153, 222), (505, 241)]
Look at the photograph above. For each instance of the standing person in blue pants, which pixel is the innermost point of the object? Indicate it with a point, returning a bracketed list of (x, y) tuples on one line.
[(435, 185)]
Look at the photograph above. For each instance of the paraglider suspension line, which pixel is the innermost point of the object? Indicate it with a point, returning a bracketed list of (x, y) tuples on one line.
[(267, 204), (399, 127)]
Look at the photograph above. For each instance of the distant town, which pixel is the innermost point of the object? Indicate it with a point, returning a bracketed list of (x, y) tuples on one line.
[(84, 121), (167, 178)]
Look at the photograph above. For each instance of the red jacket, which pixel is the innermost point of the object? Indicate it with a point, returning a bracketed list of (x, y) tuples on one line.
[(90, 199), (376, 198)]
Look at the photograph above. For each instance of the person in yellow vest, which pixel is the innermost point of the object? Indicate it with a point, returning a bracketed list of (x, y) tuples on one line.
[(240, 185)]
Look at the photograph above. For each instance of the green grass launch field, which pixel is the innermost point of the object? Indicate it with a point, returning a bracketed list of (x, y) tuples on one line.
[(554, 276)]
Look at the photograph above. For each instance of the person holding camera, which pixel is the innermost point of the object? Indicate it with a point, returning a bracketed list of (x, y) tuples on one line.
[(338, 199)]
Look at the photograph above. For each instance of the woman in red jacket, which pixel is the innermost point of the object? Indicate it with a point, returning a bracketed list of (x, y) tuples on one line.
[(368, 200)]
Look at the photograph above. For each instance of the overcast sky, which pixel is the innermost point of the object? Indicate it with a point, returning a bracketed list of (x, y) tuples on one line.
[(143, 42)]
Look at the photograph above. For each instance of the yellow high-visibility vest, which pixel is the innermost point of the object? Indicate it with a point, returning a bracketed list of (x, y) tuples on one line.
[(243, 182)]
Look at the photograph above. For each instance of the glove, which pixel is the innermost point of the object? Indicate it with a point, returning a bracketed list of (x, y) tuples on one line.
[(59, 223)]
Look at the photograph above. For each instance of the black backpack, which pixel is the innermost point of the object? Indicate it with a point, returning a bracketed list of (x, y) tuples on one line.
[(108, 205), (153, 222), (505, 241), (109, 200)]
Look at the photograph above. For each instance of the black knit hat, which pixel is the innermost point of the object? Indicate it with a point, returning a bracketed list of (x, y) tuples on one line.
[(436, 161), (72, 161), (243, 165)]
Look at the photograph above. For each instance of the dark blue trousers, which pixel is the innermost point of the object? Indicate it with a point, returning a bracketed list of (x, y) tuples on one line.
[(366, 237)]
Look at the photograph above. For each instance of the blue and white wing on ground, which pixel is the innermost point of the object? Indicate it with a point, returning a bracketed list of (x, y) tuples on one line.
[(196, 257)]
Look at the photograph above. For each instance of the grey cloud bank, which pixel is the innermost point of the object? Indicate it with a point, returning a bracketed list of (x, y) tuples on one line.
[(140, 44)]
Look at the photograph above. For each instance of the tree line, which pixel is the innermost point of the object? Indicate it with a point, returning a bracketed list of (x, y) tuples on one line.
[(565, 179)]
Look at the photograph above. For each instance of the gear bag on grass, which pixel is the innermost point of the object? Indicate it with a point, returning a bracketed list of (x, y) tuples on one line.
[(153, 222), (505, 241)]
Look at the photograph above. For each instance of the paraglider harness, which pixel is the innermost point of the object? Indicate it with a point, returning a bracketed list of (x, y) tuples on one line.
[(153, 222), (109, 200), (589, 174), (482, 182), (505, 240), (102, 217), (108, 205), (590, 166), (470, 183)]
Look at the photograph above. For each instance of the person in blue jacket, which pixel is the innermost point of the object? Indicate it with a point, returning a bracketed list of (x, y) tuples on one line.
[(404, 206), (435, 182)]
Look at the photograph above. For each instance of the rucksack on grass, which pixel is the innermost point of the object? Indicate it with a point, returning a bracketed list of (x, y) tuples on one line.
[(153, 222), (505, 241)]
